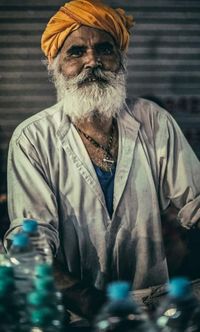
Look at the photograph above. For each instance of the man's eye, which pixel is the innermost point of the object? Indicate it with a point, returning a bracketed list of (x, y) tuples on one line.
[(75, 53), (105, 50)]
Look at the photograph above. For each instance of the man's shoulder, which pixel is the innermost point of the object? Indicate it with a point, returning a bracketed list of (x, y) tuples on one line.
[(153, 118), (45, 120), (144, 109)]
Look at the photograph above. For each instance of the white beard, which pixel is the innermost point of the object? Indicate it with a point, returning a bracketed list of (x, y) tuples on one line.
[(82, 101)]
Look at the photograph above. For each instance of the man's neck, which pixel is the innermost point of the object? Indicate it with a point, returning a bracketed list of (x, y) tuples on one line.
[(96, 125), (100, 137)]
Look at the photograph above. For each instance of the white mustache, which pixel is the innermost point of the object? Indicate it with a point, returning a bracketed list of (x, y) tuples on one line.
[(95, 74)]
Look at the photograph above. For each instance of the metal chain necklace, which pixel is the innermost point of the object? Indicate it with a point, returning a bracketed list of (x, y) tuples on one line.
[(108, 158)]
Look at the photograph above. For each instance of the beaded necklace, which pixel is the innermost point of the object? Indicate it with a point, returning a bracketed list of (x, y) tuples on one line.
[(108, 158)]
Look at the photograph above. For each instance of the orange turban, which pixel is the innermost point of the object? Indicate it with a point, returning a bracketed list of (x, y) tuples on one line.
[(85, 12)]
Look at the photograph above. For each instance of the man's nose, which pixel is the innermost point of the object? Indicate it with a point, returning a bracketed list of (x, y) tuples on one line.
[(91, 59)]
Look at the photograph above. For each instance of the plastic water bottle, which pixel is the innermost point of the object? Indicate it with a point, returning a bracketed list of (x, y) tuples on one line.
[(121, 313), (13, 316), (45, 282), (9, 313), (175, 312), (43, 315), (38, 239), (46, 309), (24, 259)]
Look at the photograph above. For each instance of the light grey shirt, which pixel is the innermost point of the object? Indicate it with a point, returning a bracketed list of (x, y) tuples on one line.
[(51, 178)]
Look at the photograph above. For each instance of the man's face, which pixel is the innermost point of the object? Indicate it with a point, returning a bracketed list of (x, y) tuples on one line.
[(86, 48), (89, 75)]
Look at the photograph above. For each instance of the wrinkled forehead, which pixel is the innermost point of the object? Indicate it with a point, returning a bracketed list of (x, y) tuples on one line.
[(88, 36)]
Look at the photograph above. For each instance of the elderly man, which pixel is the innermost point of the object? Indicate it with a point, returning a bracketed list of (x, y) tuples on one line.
[(96, 170)]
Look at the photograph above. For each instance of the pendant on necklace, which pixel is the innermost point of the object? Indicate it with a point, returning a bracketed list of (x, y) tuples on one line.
[(108, 161), (110, 164)]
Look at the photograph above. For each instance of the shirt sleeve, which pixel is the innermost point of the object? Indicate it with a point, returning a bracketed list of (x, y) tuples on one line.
[(179, 173), (29, 193)]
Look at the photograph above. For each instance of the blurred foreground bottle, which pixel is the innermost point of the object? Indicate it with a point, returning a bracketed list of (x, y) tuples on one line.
[(9, 313), (121, 313), (38, 239), (175, 312), (24, 258), (45, 307)]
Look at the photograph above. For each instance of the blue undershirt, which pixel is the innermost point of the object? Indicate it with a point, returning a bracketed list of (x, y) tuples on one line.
[(106, 180)]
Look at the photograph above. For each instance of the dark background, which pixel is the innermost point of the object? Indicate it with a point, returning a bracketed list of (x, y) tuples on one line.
[(164, 62)]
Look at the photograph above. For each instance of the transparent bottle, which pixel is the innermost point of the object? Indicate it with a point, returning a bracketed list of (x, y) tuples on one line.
[(23, 258), (9, 313), (175, 312), (45, 305), (45, 282), (121, 313), (13, 315), (38, 239)]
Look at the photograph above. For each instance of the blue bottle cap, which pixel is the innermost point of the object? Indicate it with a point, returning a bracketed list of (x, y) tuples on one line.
[(20, 240), (118, 290), (179, 287), (30, 225)]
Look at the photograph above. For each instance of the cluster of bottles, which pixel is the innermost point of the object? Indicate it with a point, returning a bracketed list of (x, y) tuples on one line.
[(30, 302), (178, 312), (46, 310)]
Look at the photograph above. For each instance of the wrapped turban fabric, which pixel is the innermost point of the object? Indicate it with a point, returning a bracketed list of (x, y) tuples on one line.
[(89, 13)]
